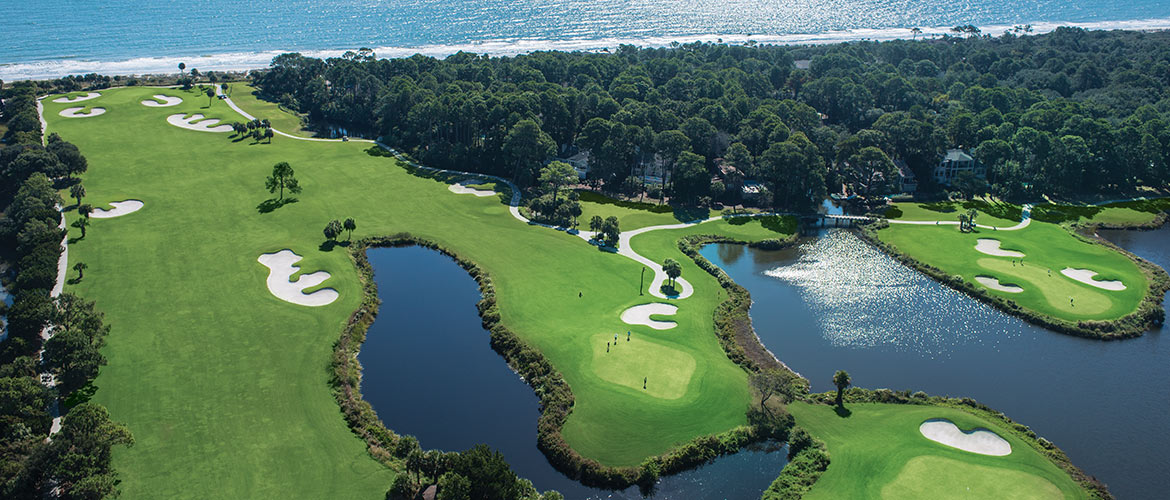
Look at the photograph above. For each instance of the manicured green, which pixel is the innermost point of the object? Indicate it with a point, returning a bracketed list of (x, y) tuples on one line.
[(246, 97), (1048, 249), (877, 451), (225, 386)]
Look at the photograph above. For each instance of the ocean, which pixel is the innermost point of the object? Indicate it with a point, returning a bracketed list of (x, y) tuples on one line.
[(53, 38)]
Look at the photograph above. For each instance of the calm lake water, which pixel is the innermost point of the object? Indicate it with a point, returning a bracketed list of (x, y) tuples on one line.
[(837, 303), (50, 38), (428, 370)]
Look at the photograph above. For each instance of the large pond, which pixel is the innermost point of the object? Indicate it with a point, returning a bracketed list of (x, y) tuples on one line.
[(428, 370), (835, 302)]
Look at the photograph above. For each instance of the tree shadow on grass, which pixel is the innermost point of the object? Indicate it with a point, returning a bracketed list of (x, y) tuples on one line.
[(329, 245), (690, 214), (82, 395), (843, 412), (273, 204)]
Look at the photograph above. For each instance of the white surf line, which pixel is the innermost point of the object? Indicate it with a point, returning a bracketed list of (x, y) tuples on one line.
[(1025, 220), (120, 208), (168, 101), (1086, 276), (86, 97), (981, 441)]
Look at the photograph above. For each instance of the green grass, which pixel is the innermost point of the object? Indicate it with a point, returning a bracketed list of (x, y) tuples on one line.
[(634, 215), (990, 214), (878, 452), (247, 98), (226, 388), (1128, 213), (1048, 249)]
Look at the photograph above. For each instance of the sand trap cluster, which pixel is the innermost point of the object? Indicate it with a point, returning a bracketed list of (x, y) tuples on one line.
[(462, 188), (120, 208), (994, 284), (1086, 276), (193, 123), (167, 101), (981, 441), (86, 97), (991, 247), (640, 315), (280, 268), (76, 112)]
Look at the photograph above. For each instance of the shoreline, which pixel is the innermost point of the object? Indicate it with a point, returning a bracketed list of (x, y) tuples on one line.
[(47, 69)]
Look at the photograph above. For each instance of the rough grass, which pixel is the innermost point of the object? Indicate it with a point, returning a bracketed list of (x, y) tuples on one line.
[(634, 215), (248, 99), (877, 451), (226, 387)]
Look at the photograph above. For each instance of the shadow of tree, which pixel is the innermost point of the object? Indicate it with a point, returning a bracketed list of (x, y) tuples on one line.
[(271, 204), (843, 412)]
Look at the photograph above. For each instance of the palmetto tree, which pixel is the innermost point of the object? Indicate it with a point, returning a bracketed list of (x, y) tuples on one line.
[(841, 380)]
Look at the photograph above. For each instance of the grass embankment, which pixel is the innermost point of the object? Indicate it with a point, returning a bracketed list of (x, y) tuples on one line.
[(1048, 297), (878, 452), (991, 213), (248, 99), (226, 387), (1140, 214)]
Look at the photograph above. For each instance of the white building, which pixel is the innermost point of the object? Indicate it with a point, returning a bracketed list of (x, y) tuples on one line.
[(955, 161)]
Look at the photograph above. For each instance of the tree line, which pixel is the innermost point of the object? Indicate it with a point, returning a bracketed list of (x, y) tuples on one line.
[(1068, 113), (77, 459)]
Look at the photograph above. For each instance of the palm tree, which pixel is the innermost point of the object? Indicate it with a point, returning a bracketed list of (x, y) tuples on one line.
[(81, 224), (182, 67), (210, 96), (333, 229), (282, 178), (916, 32), (80, 267), (349, 225), (841, 380), (268, 135), (77, 192)]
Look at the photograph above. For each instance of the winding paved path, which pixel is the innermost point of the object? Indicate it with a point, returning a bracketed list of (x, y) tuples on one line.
[(1024, 222)]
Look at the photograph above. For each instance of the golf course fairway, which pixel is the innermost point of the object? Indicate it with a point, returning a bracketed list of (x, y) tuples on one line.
[(201, 351)]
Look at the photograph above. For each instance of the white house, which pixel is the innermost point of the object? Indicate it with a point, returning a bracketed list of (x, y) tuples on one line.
[(955, 161)]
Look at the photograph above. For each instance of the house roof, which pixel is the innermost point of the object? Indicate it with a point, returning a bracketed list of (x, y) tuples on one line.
[(958, 155), (904, 170)]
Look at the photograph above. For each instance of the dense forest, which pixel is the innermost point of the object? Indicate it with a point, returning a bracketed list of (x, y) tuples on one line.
[(1072, 113), (76, 461)]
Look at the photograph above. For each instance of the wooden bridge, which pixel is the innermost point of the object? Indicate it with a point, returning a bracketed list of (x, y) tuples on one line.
[(811, 223)]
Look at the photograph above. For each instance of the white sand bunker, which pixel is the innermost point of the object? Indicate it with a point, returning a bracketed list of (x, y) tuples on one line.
[(991, 247), (120, 208), (193, 123), (994, 284), (981, 441), (71, 100), (77, 113), (461, 188), (167, 101), (1086, 276), (280, 268), (640, 315)]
